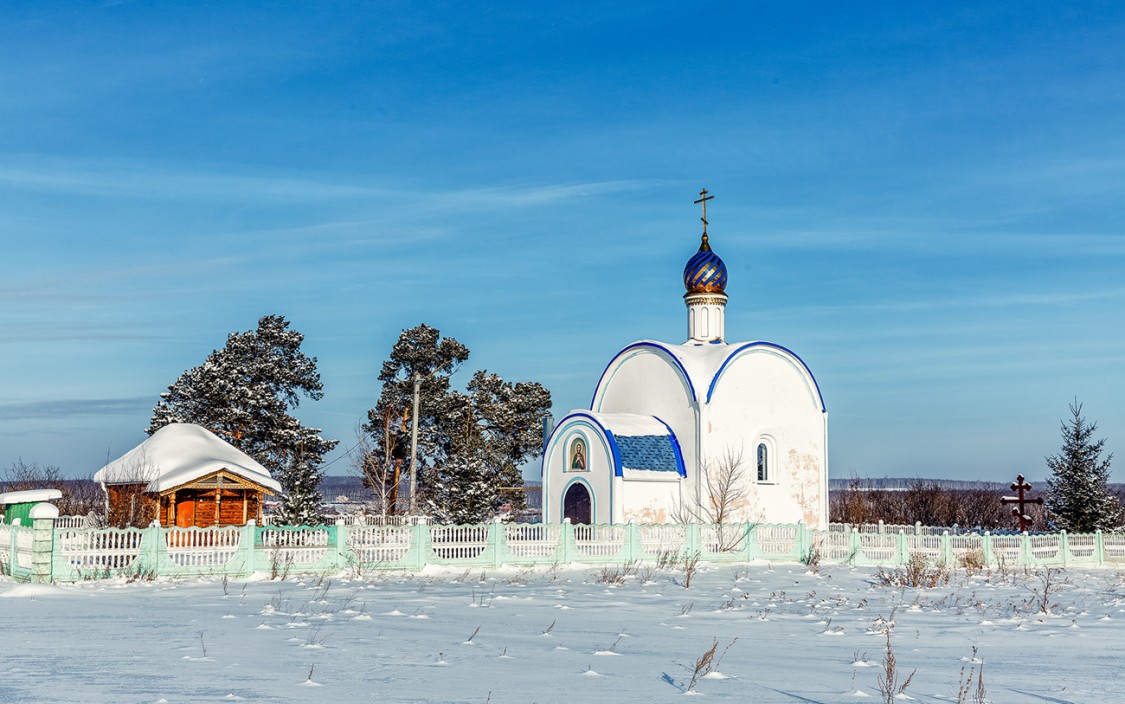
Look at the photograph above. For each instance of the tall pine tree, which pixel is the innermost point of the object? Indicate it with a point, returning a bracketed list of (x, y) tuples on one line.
[(470, 445), (244, 393), (420, 352), (1077, 491)]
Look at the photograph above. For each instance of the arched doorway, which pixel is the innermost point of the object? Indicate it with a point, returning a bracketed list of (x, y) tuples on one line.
[(576, 503)]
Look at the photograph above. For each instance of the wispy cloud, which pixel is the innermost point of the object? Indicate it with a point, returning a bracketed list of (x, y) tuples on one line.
[(117, 178), (61, 408)]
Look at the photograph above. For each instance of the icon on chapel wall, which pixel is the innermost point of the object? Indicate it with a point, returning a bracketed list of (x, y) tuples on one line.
[(578, 454)]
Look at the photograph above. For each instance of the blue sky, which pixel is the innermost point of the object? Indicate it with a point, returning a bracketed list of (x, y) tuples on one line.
[(926, 203)]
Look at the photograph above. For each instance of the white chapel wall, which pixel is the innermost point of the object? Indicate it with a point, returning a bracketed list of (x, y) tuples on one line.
[(765, 392)]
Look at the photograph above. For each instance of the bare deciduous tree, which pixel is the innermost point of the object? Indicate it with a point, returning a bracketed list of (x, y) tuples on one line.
[(724, 489), (378, 466)]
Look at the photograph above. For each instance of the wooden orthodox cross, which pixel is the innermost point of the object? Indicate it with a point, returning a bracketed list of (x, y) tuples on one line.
[(1020, 487)]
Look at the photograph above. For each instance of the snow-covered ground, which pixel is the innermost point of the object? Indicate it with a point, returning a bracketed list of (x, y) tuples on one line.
[(560, 636)]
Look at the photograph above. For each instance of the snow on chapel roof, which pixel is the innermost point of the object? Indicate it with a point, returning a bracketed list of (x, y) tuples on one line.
[(702, 364), (643, 443), (181, 453)]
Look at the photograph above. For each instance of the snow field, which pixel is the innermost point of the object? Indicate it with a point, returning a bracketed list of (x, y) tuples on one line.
[(559, 636)]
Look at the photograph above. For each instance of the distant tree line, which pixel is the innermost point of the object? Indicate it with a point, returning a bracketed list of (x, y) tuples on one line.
[(1078, 495), (79, 496)]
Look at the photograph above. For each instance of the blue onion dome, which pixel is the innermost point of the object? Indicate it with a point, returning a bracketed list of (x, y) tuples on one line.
[(705, 272)]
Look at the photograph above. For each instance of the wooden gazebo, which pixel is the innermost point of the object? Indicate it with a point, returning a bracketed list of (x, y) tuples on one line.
[(184, 475)]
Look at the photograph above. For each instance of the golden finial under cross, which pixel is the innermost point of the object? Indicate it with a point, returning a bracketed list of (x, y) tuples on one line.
[(703, 198)]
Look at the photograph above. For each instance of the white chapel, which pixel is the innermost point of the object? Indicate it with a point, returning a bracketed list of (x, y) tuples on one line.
[(664, 415)]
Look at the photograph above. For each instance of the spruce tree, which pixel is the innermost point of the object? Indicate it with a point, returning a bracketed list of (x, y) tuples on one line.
[(1077, 491), (244, 393), (300, 506)]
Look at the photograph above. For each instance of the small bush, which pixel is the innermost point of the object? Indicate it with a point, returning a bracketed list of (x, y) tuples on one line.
[(812, 559), (888, 680), (972, 561), (916, 573)]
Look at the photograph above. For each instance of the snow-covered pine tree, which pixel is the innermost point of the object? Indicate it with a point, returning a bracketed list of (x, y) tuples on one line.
[(479, 436), (464, 490), (509, 418), (244, 393), (300, 506), (419, 352), (1077, 491)]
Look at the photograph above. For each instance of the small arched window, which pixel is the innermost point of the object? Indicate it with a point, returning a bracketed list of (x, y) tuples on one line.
[(763, 463)]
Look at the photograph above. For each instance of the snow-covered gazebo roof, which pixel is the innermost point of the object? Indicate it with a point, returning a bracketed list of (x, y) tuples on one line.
[(179, 454)]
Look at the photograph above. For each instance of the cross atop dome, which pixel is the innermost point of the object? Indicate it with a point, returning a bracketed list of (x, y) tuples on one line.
[(705, 278), (703, 198), (705, 271)]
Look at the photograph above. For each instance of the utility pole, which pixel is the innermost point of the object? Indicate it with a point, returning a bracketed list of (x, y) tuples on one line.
[(414, 447)]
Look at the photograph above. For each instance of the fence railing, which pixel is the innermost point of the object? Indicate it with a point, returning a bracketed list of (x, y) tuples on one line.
[(882, 528), (360, 519), (46, 551)]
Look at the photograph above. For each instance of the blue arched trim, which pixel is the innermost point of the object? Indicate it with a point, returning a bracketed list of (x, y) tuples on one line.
[(589, 492), (679, 452), (653, 345), (610, 442), (614, 450), (769, 345)]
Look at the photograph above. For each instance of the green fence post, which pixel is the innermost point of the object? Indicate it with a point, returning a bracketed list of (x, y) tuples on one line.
[(1025, 549), (423, 545), (567, 542), (692, 539), (1099, 546), (946, 549), (494, 541), (246, 539), (632, 542), (750, 538), (802, 542), (1064, 547), (986, 548), (43, 541), (343, 555), (12, 547), (901, 557), (148, 557), (855, 547)]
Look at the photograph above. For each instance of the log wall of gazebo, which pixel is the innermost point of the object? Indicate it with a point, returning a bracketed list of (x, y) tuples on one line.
[(219, 499)]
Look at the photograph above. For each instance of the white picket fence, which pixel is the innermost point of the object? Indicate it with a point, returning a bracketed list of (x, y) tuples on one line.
[(360, 519), (893, 528), (84, 553)]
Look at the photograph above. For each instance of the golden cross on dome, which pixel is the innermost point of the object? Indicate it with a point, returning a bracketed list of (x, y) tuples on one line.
[(703, 198)]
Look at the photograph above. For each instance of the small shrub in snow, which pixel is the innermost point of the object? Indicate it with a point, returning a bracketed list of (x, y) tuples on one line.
[(972, 561), (1045, 586), (916, 573), (691, 564), (971, 688), (888, 679), (812, 559)]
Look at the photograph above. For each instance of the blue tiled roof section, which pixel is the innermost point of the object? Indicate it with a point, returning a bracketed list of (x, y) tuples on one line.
[(655, 453)]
